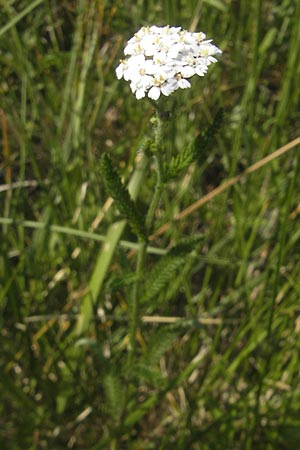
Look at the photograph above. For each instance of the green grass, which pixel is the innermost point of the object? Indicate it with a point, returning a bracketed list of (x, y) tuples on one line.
[(217, 366)]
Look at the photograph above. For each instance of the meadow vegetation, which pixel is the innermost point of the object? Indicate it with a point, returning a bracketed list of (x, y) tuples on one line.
[(215, 363)]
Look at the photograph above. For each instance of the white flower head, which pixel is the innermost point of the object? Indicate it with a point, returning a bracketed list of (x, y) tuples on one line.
[(160, 59)]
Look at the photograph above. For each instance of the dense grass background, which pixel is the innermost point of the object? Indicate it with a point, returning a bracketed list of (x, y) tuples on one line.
[(225, 376)]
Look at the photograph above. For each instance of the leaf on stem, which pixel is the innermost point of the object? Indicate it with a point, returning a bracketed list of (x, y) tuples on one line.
[(121, 196), (165, 270), (194, 152), (204, 140)]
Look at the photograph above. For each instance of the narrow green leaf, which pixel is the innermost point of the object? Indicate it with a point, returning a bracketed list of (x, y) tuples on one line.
[(20, 16)]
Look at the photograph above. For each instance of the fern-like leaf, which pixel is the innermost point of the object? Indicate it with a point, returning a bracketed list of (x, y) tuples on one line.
[(166, 268), (195, 152), (161, 275), (159, 343), (114, 393), (178, 163), (186, 245), (120, 194), (203, 141)]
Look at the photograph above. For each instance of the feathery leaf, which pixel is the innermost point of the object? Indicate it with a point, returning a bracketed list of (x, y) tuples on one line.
[(197, 151), (166, 268), (120, 194)]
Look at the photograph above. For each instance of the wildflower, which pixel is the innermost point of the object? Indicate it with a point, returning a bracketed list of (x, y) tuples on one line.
[(161, 59)]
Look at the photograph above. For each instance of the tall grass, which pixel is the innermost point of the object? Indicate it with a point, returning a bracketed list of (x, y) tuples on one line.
[(216, 362)]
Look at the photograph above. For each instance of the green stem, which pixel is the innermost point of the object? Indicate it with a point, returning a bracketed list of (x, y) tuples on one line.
[(134, 315), (134, 307), (156, 196), (158, 167)]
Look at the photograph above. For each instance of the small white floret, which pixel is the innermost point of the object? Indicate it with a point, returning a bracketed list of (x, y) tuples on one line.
[(154, 93)]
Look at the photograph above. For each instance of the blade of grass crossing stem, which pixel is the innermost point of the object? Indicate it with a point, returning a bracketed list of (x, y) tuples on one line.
[(105, 256)]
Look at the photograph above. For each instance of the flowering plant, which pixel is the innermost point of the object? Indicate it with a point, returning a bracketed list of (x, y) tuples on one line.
[(161, 59)]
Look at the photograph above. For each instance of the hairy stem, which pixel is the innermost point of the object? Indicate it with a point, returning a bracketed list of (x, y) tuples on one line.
[(134, 309)]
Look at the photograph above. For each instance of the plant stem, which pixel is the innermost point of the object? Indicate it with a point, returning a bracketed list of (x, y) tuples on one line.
[(156, 196), (134, 313), (134, 307)]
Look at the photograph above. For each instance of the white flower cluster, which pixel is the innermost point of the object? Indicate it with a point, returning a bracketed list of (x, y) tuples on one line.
[(160, 59)]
